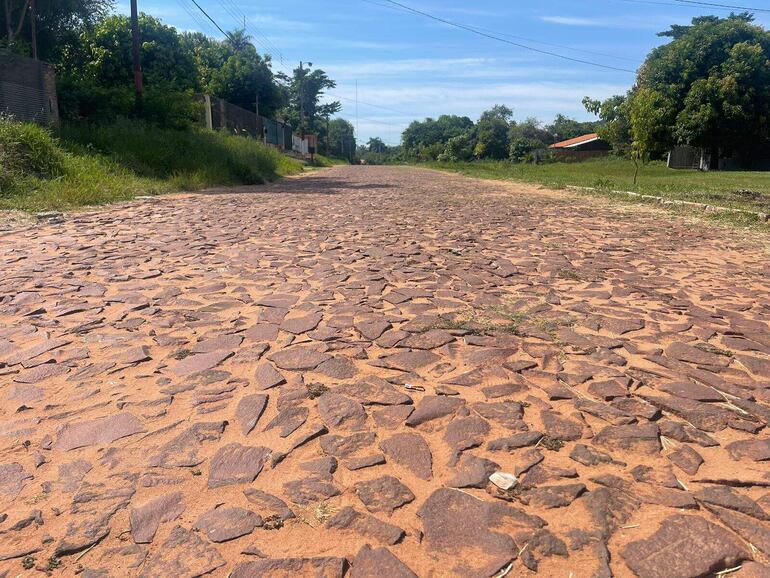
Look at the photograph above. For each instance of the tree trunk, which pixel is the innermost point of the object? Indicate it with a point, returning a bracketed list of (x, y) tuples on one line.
[(636, 169), (714, 160), (9, 28)]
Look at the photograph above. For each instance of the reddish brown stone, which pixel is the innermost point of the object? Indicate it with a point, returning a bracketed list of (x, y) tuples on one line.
[(683, 547), (383, 494), (146, 519), (378, 562), (236, 464), (411, 451)]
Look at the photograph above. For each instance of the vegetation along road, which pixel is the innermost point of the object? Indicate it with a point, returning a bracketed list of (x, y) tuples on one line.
[(326, 373)]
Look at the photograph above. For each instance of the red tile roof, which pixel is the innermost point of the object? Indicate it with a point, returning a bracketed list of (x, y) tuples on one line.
[(578, 140)]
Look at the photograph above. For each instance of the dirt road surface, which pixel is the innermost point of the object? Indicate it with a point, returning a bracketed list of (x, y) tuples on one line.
[(318, 378)]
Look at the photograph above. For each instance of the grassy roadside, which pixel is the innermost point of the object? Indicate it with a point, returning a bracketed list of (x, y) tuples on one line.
[(734, 189), (322, 161), (97, 164)]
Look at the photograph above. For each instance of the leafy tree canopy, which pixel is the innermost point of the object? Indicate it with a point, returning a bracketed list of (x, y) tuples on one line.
[(58, 24), (304, 90), (710, 85), (427, 138)]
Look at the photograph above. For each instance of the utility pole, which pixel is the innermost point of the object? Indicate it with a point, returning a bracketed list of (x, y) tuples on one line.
[(301, 103), (357, 133), (328, 138), (135, 51), (33, 27)]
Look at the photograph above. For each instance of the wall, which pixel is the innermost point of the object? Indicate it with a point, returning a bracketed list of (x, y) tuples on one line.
[(28, 89), (219, 114)]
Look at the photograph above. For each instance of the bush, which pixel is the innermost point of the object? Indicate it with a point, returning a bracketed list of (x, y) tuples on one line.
[(28, 150), (458, 148), (163, 105), (93, 164), (193, 156)]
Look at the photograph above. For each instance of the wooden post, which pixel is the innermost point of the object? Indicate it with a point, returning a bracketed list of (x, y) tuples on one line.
[(136, 54)]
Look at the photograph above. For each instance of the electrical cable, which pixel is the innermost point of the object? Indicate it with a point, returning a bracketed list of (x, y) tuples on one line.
[(505, 41)]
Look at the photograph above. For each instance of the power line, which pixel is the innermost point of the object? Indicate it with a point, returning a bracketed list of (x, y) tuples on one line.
[(368, 104), (193, 15), (694, 5), (524, 38), (260, 38), (214, 22), (565, 47), (505, 41), (717, 5), (218, 27)]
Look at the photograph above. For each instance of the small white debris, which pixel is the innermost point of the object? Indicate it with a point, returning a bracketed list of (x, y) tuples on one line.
[(503, 480), (413, 387)]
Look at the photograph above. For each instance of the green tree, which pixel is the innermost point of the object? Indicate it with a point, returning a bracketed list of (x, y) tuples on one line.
[(304, 90), (235, 71), (458, 148), (376, 145), (615, 121), (59, 22), (342, 139), (427, 139), (711, 84), (96, 78), (565, 128), (648, 109), (492, 133)]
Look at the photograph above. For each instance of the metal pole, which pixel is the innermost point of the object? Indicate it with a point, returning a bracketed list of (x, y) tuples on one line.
[(33, 26), (135, 51), (301, 104)]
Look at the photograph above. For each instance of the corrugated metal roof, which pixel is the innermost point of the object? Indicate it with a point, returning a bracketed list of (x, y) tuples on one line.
[(577, 141)]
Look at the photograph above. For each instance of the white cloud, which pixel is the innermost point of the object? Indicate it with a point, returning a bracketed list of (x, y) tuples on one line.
[(648, 22), (268, 24), (571, 21)]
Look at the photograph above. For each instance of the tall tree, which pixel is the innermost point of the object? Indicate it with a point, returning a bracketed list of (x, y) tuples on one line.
[(96, 76), (564, 128), (427, 139), (59, 22), (492, 133), (342, 139), (235, 71), (709, 86), (614, 120), (304, 90)]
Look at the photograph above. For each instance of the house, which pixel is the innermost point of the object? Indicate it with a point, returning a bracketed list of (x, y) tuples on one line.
[(581, 147)]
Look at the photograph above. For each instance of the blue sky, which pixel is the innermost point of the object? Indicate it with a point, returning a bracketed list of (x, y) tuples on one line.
[(409, 66)]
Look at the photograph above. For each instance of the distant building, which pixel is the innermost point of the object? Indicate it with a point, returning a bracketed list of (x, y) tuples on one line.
[(581, 147)]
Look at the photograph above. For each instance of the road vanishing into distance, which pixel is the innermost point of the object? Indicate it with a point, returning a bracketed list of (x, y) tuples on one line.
[(383, 372)]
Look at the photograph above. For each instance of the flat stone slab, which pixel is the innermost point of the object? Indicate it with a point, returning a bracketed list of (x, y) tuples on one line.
[(236, 464), (682, 547), (183, 553), (225, 524), (99, 431), (147, 518)]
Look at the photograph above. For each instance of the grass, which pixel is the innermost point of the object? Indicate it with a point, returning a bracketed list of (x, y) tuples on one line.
[(736, 189), (96, 164), (506, 318), (324, 161)]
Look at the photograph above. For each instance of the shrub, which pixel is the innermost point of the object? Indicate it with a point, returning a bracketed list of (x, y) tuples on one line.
[(93, 164), (191, 156)]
